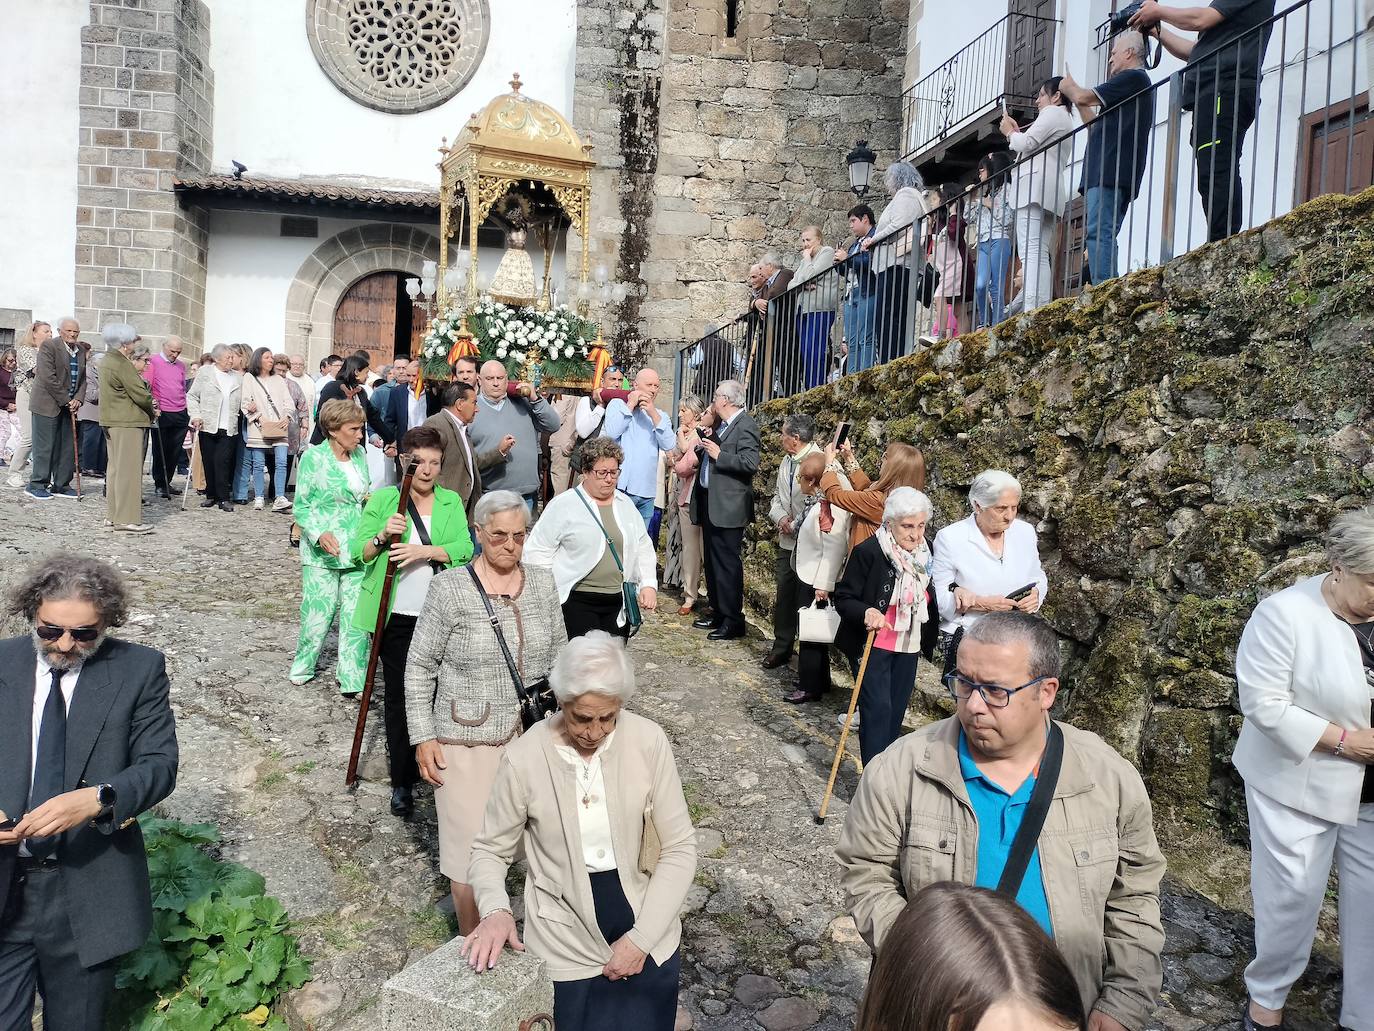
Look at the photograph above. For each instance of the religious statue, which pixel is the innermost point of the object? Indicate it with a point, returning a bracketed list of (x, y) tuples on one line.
[(513, 283)]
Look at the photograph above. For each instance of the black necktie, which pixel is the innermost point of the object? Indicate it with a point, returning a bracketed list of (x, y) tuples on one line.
[(50, 768)]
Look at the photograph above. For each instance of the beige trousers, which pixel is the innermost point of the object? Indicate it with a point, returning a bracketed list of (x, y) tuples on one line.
[(560, 442), (691, 556), (124, 476)]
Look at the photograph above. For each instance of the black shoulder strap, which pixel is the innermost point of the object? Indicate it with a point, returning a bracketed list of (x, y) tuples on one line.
[(422, 533), (500, 637), (1028, 835)]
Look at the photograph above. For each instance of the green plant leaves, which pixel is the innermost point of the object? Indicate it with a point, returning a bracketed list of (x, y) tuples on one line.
[(220, 951)]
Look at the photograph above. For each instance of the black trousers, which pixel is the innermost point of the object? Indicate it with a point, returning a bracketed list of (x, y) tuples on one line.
[(786, 601), (590, 610), (52, 456), (93, 452), (813, 660), (38, 954), (722, 547), (400, 755), (217, 459), (883, 697), (1222, 116), (890, 309), (166, 445)]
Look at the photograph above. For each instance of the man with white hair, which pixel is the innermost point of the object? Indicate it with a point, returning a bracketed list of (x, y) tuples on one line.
[(59, 384), (166, 376), (644, 432), (1121, 112), (722, 505)]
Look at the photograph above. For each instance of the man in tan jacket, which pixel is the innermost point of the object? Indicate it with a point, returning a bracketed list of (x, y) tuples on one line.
[(945, 803)]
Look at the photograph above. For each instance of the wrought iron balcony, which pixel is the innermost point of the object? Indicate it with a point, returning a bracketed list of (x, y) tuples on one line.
[(1003, 65)]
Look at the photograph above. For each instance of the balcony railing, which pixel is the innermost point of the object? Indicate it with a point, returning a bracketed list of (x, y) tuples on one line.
[(1310, 136), (1003, 65)]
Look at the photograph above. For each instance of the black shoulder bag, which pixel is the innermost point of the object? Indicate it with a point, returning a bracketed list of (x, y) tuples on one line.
[(537, 700), (1028, 834)]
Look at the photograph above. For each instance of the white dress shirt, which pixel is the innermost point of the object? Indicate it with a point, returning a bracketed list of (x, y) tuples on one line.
[(42, 684), (593, 818), (463, 436), (416, 408), (963, 557), (588, 417)]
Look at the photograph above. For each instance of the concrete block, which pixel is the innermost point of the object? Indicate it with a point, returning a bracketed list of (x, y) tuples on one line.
[(441, 990)]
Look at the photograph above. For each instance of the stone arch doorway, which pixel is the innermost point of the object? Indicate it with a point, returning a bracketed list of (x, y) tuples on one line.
[(337, 265), (376, 315)]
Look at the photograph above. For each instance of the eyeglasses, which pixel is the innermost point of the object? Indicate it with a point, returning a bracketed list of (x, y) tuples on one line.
[(604, 474), (994, 697), (502, 536), (84, 634)]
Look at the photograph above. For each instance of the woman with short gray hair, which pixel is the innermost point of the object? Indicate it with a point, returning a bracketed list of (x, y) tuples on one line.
[(989, 561), (895, 236), (884, 594), (126, 411), (213, 406), (462, 706), (604, 914), (1305, 670)]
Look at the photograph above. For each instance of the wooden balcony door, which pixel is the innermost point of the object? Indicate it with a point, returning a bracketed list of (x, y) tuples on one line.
[(1030, 52), (375, 315), (1337, 142)]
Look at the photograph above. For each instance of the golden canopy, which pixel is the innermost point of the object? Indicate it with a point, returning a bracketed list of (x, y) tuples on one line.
[(514, 139)]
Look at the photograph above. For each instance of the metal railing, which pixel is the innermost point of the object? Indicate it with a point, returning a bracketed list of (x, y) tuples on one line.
[(1228, 142), (990, 71)]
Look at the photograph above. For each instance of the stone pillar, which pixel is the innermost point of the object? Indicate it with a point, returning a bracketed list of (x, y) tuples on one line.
[(441, 991), (145, 116)]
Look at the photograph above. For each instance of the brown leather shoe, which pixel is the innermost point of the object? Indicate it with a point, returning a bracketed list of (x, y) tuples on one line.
[(685, 610), (775, 660)]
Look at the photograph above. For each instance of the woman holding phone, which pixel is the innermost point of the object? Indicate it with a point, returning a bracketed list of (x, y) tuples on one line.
[(903, 466)]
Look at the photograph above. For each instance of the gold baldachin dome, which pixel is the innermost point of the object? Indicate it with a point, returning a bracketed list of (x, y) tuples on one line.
[(522, 125)]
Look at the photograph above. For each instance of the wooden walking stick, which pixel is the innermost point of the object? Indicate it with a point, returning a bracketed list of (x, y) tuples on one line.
[(374, 653), (76, 455), (844, 734)]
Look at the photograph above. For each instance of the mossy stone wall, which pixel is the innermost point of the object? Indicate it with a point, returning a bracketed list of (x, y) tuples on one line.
[(1184, 436)]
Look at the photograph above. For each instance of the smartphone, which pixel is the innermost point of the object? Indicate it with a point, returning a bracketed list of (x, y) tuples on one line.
[(1021, 592), (8, 824), (841, 434)]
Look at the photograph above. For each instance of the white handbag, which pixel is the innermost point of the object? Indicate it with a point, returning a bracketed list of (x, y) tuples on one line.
[(818, 623)]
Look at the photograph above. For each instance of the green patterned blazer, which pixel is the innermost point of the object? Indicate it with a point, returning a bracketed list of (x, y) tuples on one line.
[(330, 500)]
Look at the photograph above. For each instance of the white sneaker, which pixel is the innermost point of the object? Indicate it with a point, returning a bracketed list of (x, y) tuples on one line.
[(134, 527), (839, 719), (282, 504), (257, 504)]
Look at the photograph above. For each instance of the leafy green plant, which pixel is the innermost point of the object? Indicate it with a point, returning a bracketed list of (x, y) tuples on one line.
[(220, 950)]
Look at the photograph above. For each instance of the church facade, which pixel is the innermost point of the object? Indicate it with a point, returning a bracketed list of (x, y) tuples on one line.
[(265, 171)]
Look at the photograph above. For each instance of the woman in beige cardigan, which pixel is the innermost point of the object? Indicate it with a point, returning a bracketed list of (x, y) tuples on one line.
[(583, 790)]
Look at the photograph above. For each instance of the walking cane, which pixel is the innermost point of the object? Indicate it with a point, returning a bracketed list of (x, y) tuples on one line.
[(374, 653), (844, 734), (76, 455), (186, 492)]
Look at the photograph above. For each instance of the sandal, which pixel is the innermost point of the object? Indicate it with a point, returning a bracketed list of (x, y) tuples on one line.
[(800, 697)]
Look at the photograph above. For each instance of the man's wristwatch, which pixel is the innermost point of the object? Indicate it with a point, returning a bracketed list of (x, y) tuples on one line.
[(105, 795)]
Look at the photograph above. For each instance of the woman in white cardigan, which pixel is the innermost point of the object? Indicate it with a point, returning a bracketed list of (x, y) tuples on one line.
[(1038, 188), (594, 540), (822, 546), (1305, 668)]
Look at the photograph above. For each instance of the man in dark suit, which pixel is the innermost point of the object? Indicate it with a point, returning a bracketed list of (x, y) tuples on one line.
[(404, 411), (74, 893), (461, 471), (722, 504)]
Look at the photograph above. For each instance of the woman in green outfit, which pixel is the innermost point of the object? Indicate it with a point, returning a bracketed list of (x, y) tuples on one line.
[(332, 485), (440, 541)]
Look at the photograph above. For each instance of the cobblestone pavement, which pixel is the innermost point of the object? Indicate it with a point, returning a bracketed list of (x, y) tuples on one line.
[(765, 944)]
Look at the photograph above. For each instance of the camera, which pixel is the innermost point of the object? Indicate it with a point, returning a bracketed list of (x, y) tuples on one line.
[(1121, 20)]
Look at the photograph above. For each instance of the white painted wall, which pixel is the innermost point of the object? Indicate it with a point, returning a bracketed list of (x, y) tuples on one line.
[(40, 54), (278, 113)]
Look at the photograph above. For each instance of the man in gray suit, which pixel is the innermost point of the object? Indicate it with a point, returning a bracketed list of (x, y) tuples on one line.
[(74, 893), (722, 504)]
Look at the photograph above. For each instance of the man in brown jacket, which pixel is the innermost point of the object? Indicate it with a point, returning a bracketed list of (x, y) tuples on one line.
[(461, 471), (59, 383), (945, 804)]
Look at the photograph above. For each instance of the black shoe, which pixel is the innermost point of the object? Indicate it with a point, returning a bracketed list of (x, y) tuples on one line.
[(224, 506), (209, 503), (1247, 1022), (774, 660), (402, 803), (800, 697), (721, 634), (164, 493), (701, 608), (706, 623)]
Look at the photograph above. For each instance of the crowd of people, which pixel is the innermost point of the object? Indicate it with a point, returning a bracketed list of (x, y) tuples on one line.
[(976, 251)]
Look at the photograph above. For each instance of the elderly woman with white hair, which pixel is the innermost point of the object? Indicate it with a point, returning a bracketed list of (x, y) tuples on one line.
[(894, 239), (462, 705), (990, 560), (593, 795), (884, 594), (213, 405), (126, 412), (1305, 669)]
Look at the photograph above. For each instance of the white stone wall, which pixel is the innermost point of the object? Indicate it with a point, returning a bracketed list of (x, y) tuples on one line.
[(40, 54), (279, 114)]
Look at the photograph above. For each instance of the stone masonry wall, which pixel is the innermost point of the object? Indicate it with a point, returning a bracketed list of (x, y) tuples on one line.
[(1184, 436), (145, 115), (714, 149)]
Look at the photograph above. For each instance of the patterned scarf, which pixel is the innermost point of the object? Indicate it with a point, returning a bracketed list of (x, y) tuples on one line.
[(909, 594)]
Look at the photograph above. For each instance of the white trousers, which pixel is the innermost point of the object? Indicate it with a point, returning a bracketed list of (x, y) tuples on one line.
[(1034, 241), (1290, 863)]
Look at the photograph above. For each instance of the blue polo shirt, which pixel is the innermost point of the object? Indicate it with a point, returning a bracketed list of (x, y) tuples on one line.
[(999, 817)]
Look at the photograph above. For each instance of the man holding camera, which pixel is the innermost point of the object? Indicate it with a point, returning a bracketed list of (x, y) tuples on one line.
[(643, 432), (1221, 88)]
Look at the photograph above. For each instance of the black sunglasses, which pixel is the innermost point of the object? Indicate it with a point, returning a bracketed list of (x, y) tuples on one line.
[(85, 634)]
